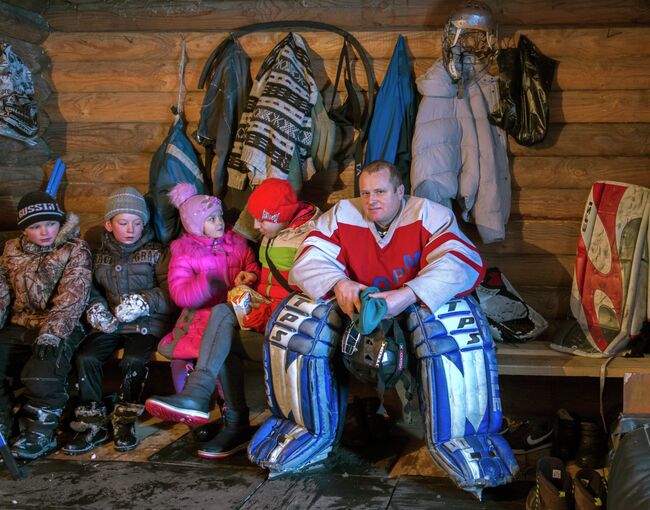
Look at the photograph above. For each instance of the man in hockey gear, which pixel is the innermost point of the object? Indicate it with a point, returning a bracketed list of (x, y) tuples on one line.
[(414, 252)]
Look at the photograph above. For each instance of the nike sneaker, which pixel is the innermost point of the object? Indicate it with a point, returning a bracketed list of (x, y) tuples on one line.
[(528, 435)]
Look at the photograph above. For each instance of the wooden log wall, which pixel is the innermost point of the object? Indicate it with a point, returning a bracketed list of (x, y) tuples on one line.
[(114, 73)]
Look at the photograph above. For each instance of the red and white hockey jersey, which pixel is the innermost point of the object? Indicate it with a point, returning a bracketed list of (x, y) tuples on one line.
[(423, 248)]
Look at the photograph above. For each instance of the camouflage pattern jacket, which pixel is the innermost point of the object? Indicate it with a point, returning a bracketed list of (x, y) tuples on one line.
[(140, 268), (46, 288)]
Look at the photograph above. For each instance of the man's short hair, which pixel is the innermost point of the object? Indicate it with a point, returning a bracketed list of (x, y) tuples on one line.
[(379, 165)]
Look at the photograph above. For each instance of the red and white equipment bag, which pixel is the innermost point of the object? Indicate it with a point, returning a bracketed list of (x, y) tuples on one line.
[(609, 297)]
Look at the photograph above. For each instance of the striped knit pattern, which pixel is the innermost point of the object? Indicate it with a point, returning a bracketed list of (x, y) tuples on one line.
[(277, 121)]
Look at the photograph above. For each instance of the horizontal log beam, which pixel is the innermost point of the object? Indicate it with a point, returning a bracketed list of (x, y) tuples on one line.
[(16, 153), (565, 107), (359, 14), (566, 140), (534, 237), (577, 172), (162, 76), (534, 270), (621, 139), (551, 302), (564, 44), (22, 24)]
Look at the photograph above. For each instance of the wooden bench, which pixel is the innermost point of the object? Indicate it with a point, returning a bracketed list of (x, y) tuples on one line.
[(538, 359)]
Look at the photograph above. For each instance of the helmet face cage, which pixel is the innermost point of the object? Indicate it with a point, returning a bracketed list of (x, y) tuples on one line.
[(469, 37), (370, 357)]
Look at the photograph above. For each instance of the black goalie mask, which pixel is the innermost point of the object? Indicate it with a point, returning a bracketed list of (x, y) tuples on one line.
[(379, 358)]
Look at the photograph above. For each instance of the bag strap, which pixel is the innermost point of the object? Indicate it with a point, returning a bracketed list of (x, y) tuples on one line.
[(274, 271), (355, 109)]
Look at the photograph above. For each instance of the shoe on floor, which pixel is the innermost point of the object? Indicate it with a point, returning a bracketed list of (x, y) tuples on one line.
[(553, 488), (33, 445), (593, 446), (84, 442), (590, 490), (528, 436), (226, 443), (178, 409), (567, 435)]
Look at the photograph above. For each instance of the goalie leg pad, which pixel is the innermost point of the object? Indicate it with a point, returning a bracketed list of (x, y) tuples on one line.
[(459, 394), (302, 391)]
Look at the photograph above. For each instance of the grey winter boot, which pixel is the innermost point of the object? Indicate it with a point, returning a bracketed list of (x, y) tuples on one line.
[(124, 416), (91, 427), (191, 406), (38, 434), (235, 436)]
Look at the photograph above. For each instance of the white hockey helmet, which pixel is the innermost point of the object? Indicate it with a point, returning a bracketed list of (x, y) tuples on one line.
[(471, 29)]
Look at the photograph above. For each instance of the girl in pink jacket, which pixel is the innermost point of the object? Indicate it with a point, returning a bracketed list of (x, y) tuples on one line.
[(206, 261)]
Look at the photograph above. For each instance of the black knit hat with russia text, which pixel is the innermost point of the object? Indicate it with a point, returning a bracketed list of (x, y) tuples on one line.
[(38, 206)]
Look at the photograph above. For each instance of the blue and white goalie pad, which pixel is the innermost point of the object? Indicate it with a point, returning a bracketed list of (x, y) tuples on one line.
[(459, 394), (302, 391)]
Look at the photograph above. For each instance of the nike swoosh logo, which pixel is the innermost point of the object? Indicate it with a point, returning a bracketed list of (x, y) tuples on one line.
[(534, 442)]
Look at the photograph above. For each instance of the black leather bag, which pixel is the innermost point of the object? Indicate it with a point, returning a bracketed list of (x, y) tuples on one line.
[(525, 79)]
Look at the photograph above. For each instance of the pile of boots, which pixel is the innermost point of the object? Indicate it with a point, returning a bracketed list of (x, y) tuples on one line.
[(38, 432), (92, 430), (554, 489)]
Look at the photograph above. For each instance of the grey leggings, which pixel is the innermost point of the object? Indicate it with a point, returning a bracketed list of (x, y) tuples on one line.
[(222, 353)]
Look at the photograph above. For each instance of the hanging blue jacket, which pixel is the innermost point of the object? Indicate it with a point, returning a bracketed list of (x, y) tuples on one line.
[(175, 161), (391, 128)]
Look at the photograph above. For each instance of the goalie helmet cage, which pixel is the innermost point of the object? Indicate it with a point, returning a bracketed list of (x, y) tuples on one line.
[(303, 25)]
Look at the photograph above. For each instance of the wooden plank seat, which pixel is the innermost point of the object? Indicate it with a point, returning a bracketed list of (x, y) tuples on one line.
[(538, 359), (534, 358)]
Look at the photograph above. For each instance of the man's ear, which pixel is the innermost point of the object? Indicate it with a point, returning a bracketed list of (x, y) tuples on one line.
[(400, 190), (108, 226)]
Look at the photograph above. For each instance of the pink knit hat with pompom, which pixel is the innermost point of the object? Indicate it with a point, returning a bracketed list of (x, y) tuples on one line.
[(194, 209)]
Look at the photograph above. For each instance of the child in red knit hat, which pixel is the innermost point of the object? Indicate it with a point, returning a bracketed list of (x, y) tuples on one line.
[(283, 222)]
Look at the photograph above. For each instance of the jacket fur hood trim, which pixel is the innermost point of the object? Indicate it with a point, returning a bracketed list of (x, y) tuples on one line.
[(70, 229)]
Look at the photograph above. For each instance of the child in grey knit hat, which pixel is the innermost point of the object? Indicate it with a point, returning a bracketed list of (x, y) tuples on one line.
[(129, 307)]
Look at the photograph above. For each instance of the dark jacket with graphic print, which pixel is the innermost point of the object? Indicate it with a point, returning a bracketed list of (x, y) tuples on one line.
[(139, 268)]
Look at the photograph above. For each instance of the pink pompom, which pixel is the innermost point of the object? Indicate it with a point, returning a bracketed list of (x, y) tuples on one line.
[(180, 193)]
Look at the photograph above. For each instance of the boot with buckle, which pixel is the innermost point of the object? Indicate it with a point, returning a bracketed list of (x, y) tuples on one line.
[(38, 432)]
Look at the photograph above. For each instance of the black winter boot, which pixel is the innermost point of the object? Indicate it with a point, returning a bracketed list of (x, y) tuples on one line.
[(91, 427), (234, 437), (567, 435), (123, 418), (593, 446), (191, 406), (37, 437)]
